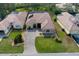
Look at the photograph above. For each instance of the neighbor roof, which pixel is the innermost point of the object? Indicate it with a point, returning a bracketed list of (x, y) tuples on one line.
[(19, 18), (4, 24), (67, 20), (13, 17)]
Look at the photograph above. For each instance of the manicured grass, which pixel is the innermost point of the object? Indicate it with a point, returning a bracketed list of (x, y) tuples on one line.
[(59, 31), (6, 44), (48, 45), (21, 10)]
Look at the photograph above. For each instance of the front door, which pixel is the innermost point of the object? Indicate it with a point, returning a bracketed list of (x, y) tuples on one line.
[(38, 25), (34, 26)]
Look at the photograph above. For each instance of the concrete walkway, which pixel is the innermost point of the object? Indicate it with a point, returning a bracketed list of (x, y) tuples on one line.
[(29, 42)]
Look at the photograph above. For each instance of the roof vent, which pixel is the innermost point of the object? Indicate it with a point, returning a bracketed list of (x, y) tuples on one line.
[(31, 15)]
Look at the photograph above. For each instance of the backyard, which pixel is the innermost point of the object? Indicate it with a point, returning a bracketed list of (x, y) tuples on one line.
[(45, 45), (6, 44)]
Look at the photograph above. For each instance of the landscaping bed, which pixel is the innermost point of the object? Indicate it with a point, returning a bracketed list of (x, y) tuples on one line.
[(6, 44)]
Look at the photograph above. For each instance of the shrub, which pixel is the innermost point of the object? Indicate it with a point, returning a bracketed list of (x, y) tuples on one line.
[(29, 28), (69, 35), (24, 27), (18, 39), (57, 11), (63, 30), (59, 41), (55, 20)]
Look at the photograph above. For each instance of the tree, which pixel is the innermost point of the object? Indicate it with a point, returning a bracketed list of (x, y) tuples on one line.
[(24, 27), (70, 8), (5, 9), (18, 39)]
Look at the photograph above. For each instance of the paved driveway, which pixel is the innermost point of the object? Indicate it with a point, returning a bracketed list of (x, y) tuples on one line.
[(29, 42)]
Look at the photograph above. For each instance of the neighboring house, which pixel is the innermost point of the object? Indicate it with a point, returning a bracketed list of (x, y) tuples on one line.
[(5, 27), (60, 5), (40, 21), (15, 20), (66, 6), (69, 23)]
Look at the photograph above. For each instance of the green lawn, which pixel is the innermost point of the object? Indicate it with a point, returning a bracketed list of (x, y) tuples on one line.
[(59, 31), (6, 44), (21, 10), (48, 45)]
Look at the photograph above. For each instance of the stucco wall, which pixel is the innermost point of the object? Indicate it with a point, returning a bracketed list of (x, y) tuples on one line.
[(63, 27)]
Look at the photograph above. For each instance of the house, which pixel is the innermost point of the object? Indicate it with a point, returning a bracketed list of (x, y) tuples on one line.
[(15, 20), (40, 21), (69, 23), (66, 7), (61, 5)]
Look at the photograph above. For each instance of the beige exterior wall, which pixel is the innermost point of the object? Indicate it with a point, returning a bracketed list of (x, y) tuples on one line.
[(63, 27)]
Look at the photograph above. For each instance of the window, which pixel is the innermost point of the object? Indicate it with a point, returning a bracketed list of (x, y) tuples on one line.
[(1, 32), (48, 30), (78, 25), (17, 25)]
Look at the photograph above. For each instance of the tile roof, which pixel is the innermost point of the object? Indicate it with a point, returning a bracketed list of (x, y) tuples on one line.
[(4, 24), (18, 18), (41, 17), (67, 20)]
